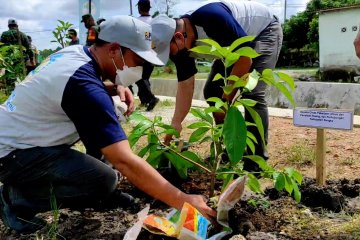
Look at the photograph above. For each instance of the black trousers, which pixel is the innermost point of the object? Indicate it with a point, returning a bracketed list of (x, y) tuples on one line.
[(144, 93)]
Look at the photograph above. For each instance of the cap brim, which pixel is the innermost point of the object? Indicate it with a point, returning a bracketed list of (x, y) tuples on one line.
[(163, 54), (151, 57)]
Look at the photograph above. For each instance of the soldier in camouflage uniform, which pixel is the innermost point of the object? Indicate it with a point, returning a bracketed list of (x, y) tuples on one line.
[(92, 28), (14, 37)]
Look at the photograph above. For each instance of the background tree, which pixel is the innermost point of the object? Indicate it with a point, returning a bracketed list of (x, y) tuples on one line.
[(301, 32), (60, 33), (165, 6), (47, 52)]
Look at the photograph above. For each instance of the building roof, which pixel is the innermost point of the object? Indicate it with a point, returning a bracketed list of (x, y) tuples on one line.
[(329, 10)]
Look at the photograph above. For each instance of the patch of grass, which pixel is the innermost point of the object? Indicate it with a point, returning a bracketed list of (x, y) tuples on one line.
[(160, 72), (301, 153), (348, 161), (54, 228), (166, 103), (3, 96), (352, 227)]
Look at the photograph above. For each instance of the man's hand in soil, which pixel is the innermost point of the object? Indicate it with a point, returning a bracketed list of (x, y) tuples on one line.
[(169, 137), (199, 203), (147, 179), (127, 97)]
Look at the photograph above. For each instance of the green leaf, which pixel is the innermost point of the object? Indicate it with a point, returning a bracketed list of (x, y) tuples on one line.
[(260, 161), (288, 79), (286, 92), (202, 115), (198, 134), (280, 182), (250, 144), (248, 102), (251, 136), (288, 184), (228, 89), (179, 163), (144, 151), (173, 132), (240, 41), (206, 139), (212, 109), (234, 132), (253, 183), (138, 117), (252, 80), (157, 119), (139, 132), (294, 174), (218, 102), (152, 138), (199, 125), (192, 156), (258, 121), (154, 158), (231, 58), (215, 46), (233, 78), (297, 193), (247, 52), (217, 77), (201, 49)]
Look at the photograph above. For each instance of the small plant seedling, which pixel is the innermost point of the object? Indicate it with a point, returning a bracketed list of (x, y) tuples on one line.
[(60, 33), (230, 139), (12, 61)]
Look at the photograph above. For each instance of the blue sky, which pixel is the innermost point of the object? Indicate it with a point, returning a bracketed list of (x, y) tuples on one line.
[(38, 18)]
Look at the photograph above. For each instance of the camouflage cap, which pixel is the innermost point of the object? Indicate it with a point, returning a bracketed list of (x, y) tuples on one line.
[(85, 17)]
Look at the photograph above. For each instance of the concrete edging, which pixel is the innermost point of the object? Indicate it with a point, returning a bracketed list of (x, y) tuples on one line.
[(307, 94)]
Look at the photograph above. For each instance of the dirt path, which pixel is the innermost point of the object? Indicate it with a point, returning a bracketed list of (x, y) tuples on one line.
[(290, 145)]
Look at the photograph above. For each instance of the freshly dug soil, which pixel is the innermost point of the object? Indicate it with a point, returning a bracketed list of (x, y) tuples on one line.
[(276, 214)]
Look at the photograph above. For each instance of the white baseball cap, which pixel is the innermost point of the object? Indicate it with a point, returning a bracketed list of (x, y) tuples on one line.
[(12, 21), (131, 33), (163, 31)]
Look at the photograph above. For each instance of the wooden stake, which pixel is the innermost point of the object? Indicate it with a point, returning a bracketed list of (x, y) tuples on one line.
[(320, 156)]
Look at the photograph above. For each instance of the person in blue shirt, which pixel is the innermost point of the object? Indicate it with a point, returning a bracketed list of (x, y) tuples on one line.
[(223, 21), (67, 98)]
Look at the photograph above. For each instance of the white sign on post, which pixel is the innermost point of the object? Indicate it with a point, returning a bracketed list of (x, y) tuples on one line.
[(323, 118)]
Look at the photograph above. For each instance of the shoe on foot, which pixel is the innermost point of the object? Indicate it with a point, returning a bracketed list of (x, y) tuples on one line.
[(119, 199), (152, 104), (17, 223)]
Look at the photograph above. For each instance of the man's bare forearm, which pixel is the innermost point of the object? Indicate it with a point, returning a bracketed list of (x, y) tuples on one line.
[(184, 97), (142, 175)]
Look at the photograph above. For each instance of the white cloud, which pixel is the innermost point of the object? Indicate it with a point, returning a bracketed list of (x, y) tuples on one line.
[(39, 17)]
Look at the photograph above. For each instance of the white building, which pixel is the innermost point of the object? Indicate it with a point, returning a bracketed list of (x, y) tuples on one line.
[(337, 30)]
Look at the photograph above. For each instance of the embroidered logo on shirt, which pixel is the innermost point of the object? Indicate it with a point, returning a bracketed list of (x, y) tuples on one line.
[(148, 36)]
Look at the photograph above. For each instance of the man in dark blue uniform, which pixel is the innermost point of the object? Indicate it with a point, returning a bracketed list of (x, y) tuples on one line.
[(224, 21)]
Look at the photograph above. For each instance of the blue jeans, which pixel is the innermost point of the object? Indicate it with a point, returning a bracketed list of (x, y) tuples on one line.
[(77, 180), (268, 44)]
